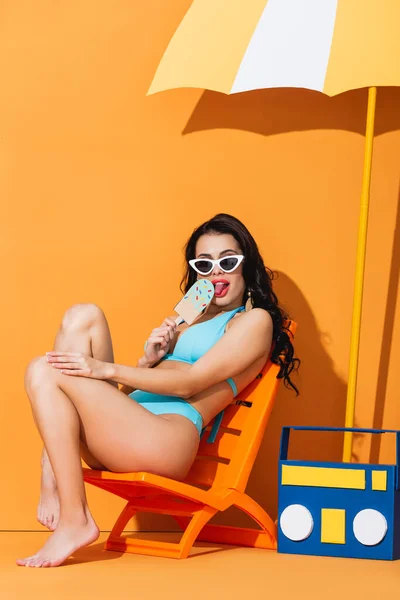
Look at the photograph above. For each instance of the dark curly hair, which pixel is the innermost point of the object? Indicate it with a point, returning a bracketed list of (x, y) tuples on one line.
[(258, 280)]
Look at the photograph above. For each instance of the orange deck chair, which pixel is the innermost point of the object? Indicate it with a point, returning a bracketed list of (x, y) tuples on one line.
[(216, 481)]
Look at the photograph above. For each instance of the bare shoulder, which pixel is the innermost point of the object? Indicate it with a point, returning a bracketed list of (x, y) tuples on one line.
[(258, 324), (257, 317)]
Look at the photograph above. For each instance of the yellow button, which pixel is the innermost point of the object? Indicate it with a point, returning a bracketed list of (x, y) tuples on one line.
[(333, 526), (379, 481)]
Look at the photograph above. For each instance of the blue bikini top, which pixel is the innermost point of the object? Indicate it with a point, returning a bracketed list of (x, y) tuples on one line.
[(194, 342), (197, 339)]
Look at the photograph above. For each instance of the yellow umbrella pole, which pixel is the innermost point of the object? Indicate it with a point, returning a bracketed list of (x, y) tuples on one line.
[(359, 278)]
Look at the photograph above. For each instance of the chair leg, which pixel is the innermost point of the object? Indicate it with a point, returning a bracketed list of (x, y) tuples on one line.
[(158, 548), (266, 537), (193, 529), (196, 528), (115, 541), (254, 510)]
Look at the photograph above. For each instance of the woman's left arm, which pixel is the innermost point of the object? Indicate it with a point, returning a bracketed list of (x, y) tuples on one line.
[(248, 340)]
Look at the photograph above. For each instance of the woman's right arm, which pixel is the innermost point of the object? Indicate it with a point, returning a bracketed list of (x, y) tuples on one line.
[(156, 347)]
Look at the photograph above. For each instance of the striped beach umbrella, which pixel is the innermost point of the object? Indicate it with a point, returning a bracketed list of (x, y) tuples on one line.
[(330, 46)]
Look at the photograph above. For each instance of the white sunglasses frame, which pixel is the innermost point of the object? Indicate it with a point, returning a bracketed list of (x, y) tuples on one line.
[(240, 258)]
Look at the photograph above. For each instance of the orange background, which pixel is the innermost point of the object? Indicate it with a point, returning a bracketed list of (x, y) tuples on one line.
[(101, 186)]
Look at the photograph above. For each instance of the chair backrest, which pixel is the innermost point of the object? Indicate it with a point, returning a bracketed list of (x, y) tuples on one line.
[(227, 462)]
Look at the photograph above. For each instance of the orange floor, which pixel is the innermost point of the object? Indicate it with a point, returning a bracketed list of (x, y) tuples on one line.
[(209, 573)]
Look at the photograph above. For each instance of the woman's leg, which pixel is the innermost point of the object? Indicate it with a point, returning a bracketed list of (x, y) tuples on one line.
[(58, 424), (84, 328), (123, 435)]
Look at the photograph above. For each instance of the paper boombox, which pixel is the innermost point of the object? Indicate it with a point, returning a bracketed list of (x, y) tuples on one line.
[(338, 509)]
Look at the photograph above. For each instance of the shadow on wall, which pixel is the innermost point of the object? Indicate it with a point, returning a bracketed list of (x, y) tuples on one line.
[(322, 398), (387, 340), (282, 110)]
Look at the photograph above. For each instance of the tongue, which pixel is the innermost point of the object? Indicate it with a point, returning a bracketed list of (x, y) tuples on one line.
[(219, 287)]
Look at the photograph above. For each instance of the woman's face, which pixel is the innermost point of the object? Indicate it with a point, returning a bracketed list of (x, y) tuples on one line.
[(228, 287)]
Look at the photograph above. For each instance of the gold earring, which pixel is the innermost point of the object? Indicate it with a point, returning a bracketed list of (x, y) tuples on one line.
[(249, 302)]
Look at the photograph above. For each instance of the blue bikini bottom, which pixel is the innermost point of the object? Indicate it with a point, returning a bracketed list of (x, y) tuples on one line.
[(160, 405)]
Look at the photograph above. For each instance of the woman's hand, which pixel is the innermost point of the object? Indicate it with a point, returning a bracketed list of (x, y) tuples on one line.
[(159, 341), (76, 363)]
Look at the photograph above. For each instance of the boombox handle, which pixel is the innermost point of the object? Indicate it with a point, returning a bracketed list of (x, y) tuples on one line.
[(286, 435)]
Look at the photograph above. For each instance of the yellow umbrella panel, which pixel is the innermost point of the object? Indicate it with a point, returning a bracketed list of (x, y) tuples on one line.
[(330, 46)]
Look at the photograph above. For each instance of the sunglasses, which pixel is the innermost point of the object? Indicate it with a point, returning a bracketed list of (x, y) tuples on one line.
[(227, 264)]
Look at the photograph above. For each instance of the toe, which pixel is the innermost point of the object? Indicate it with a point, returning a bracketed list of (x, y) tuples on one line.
[(23, 562), (31, 562), (43, 519), (36, 562)]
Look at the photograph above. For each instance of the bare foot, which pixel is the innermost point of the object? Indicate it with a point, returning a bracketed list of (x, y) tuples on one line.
[(48, 512), (62, 543)]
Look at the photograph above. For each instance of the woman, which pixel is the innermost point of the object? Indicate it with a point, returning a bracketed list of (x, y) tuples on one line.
[(180, 384)]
